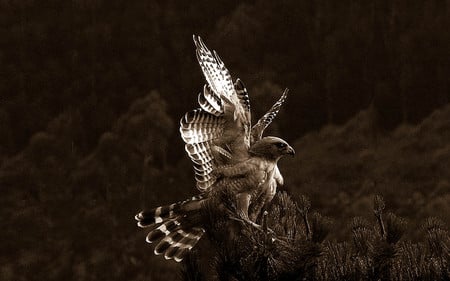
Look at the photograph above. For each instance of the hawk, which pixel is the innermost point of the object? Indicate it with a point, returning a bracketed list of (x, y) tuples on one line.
[(228, 154)]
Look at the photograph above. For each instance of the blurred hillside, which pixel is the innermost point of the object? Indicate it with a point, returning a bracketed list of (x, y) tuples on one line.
[(342, 167), (91, 93)]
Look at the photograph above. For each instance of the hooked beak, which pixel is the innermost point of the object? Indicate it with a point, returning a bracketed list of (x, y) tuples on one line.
[(290, 150)]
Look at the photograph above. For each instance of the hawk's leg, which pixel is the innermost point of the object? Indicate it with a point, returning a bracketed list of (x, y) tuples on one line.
[(268, 192), (243, 202), (256, 208), (254, 215)]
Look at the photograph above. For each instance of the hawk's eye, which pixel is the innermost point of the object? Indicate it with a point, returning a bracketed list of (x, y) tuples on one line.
[(280, 144)]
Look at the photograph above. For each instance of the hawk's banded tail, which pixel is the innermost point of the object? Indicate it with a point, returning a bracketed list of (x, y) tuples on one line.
[(173, 227)]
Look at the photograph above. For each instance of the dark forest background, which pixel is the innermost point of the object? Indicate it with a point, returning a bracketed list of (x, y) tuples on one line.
[(91, 92)]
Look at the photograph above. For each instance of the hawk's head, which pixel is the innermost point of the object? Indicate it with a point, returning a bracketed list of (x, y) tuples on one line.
[(271, 148)]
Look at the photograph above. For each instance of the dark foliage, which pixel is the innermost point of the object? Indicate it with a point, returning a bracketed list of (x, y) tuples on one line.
[(285, 248)]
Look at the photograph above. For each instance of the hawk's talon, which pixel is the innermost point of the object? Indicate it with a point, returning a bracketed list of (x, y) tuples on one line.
[(255, 225)]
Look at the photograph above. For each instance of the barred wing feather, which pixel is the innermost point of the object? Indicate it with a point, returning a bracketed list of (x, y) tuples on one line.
[(209, 102), (218, 131), (244, 100), (198, 129), (216, 74), (263, 122)]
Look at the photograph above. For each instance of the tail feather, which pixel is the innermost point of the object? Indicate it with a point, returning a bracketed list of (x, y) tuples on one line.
[(171, 229), (165, 243), (163, 230), (148, 218), (180, 247)]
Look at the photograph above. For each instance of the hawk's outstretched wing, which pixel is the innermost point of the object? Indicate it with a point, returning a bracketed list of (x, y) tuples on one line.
[(219, 132), (264, 122)]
